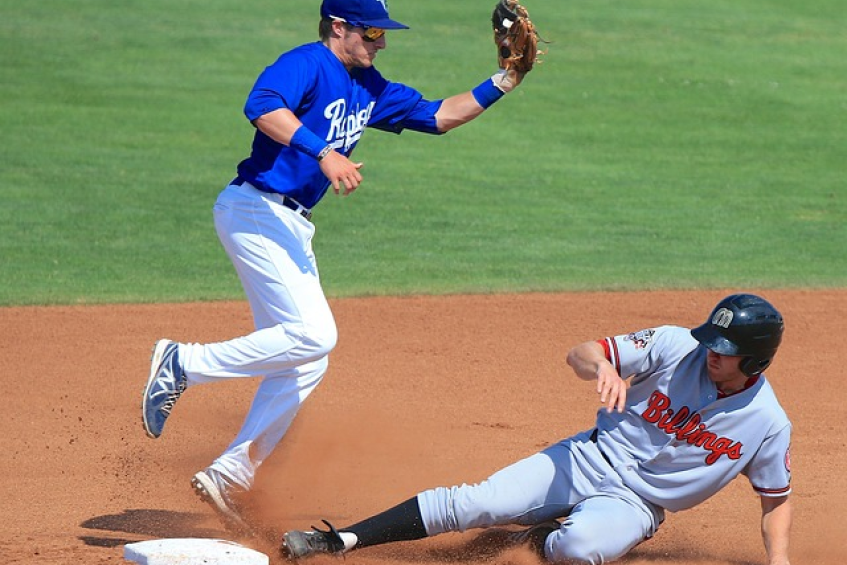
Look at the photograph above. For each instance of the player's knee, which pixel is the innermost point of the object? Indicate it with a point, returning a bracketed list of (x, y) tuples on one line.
[(574, 546), (321, 340)]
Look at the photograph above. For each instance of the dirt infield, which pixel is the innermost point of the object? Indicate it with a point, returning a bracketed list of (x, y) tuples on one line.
[(421, 391)]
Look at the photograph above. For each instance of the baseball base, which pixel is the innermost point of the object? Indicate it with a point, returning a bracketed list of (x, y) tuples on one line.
[(192, 551)]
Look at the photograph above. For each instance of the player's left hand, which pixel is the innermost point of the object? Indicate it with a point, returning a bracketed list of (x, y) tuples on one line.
[(507, 80), (515, 37)]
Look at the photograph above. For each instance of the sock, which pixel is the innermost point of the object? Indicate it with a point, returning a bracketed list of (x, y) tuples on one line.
[(400, 523)]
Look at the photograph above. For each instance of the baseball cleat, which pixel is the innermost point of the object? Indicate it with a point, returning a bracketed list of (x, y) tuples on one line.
[(297, 544), (535, 536), (219, 492), (164, 387)]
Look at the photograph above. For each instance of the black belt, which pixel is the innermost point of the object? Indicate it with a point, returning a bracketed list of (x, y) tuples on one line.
[(594, 439), (287, 201)]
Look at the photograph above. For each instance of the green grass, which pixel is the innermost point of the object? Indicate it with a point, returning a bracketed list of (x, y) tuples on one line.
[(659, 145)]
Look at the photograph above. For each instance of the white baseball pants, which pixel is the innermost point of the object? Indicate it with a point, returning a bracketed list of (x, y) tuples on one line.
[(271, 248)]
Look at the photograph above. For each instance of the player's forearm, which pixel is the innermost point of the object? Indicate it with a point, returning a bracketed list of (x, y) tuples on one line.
[(284, 127), (776, 528), (456, 111), (589, 362), (462, 108), (587, 359), (279, 125)]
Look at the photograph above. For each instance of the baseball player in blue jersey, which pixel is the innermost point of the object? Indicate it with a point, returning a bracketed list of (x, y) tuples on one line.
[(697, 413), (309, 108)]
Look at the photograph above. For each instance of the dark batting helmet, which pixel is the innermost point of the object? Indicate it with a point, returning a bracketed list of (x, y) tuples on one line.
[(743, 325)]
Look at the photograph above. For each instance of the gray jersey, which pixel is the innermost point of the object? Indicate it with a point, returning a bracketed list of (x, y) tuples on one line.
[(680, 441)]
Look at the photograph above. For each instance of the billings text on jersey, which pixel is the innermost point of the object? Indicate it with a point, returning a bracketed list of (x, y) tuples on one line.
[(688, 427)]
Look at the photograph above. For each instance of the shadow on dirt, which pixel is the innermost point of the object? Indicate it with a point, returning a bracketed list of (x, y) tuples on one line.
[(147, 524)]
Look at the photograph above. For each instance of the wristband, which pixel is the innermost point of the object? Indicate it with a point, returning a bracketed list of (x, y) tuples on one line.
[(305, 141), (324, 152), (487, 93)]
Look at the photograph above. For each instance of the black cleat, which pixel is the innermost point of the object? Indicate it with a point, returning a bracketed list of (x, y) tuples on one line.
[(297, 544)]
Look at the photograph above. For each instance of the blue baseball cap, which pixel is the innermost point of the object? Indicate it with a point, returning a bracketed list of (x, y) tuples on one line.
[(361, 13)]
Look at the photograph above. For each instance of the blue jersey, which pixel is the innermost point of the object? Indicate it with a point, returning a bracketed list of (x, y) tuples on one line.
[(335, 104)]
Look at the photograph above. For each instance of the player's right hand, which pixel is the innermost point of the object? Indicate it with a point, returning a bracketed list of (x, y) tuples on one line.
[(611, 388), (341, 172)]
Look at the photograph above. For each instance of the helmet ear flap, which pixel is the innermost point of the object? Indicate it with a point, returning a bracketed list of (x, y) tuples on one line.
[(751, 366)]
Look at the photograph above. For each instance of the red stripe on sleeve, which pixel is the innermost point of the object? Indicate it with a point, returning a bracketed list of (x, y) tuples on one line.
[(773, 491), (610, 348)]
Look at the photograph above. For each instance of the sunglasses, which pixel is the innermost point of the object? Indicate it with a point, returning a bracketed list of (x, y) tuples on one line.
[(370, 34)]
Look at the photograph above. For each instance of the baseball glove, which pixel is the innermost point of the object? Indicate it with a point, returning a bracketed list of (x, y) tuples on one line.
[(515, 37)]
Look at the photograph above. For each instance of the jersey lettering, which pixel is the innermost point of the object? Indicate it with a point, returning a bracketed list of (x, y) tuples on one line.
[(687, 427), (346, 129)]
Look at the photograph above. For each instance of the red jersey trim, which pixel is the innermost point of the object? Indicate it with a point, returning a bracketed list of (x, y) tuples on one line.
[(610, 348), (773, 491)]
